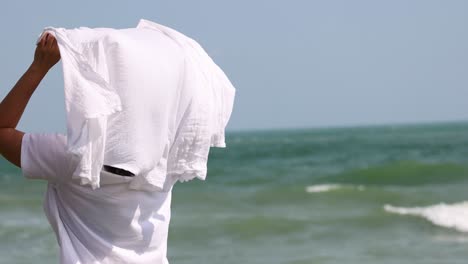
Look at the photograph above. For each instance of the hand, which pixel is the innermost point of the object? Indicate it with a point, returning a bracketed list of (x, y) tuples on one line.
[(47, 53)]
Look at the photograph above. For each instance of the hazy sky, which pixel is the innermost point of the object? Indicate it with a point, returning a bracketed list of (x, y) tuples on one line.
[(294, 63)]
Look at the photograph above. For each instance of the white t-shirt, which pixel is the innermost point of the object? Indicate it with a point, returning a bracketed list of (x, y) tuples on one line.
[(147, 99), (111, 224)]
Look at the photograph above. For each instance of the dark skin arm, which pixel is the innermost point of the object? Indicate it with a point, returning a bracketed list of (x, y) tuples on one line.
[(12, 107)]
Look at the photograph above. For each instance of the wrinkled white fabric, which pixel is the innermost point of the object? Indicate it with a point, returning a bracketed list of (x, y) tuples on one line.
[(147, 99), (109, 225)]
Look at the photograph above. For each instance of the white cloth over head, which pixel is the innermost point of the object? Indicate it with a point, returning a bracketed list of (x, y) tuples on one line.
[(148, 99)]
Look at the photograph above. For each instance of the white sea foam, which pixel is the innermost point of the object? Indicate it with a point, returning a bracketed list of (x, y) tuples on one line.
[(318, 188), (322, 188), (453, 216)]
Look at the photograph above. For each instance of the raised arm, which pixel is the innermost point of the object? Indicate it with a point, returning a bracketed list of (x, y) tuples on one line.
[(12, 107)]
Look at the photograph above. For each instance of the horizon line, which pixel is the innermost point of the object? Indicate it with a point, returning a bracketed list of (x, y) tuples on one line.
[(348, 126)]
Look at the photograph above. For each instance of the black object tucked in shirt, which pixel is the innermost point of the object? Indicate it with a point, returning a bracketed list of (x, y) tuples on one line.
[(118, 171)]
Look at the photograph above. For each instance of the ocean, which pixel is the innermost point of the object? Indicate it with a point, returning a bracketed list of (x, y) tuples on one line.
[(382, 194)]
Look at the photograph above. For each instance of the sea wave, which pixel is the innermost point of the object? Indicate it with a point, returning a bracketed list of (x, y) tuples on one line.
[(454, 216), (318, 188)]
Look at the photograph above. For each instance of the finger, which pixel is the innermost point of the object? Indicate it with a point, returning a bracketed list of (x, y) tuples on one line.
[(50, 41), (54, 43), (44, 40), (47, 39), (55, 47)]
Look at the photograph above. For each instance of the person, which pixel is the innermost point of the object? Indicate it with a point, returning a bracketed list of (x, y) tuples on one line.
[(109, 224)]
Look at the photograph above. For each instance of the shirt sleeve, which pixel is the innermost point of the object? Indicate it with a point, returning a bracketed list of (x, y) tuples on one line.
[(44, 156)]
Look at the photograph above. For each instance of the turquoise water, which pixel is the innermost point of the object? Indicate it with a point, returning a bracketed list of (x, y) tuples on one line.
[(389, 194)]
